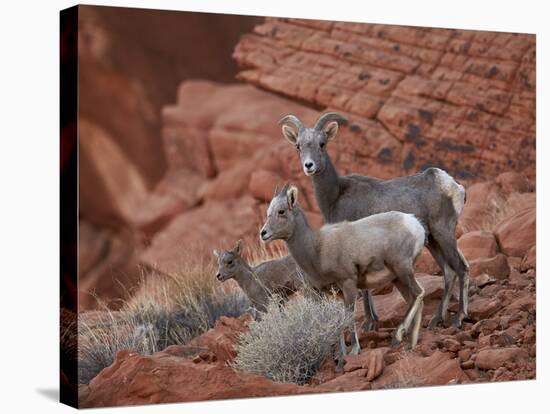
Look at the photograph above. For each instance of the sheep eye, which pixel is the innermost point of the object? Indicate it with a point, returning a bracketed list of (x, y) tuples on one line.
[(281, 212), (230, 262), (322, 145), (298, 147)]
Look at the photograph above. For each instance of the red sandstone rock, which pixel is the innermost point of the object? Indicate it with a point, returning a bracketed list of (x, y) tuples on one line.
[(134, 379), (525, 302), (174, 194), (350, 381), (437, 369), (451, 344), (482, 204), (262, 184), (513, 182), (123, 91), (496, 267), (495, 358), (108, 265), (464, 354), (426, 263), (214, 127), (517, 234), (529, 260), (196, 232), (371, 360), (481, 308), (112, 186), (478, 244), (466, 111), (121, 107), (231, 183), (481, 280), (485, 326), (221, 338)]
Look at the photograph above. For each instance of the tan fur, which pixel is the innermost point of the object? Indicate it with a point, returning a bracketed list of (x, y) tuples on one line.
[(371, 251), (365, 243)]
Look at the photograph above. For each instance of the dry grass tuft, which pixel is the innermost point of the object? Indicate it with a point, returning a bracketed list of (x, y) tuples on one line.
[(166, 310), (289, 344)]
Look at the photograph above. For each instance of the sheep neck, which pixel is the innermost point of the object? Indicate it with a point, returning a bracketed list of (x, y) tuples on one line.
[(326, 185), (302, 244), (246, 276)]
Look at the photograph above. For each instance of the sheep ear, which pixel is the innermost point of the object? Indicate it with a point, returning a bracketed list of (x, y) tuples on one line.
[(292, 196), (216, 253), (239, 247), (331, 130), (290, 134)]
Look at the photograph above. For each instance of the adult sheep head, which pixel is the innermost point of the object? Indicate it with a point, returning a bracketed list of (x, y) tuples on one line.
[(311, 143)]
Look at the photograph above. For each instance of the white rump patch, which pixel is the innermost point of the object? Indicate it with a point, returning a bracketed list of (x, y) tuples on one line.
[(451, 189), (416, 228)]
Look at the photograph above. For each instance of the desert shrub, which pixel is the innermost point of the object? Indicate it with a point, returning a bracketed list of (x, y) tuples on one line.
[(164, 311), (290, 343), (102, 339)]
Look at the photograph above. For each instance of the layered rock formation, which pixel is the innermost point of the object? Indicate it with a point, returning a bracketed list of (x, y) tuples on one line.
[(129, 66), (460, 100), (415, 97)]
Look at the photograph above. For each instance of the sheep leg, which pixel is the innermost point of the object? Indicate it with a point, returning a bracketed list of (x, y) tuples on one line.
[(464, 278), (355, 346), (406, 294), (440, 315), (416, 325), (341, 353), (416, 293), (415, 328), (457, 262), (405, 291), (449, 277), (371, 318), (349, 290)]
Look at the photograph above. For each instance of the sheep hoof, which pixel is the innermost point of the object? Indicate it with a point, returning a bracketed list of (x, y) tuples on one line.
[(395, 342), (435, 321), (459, 318), (370, 326), (340, 365)]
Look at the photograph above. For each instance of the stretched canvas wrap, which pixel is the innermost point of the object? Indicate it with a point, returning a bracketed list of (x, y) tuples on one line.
[(257, 206)]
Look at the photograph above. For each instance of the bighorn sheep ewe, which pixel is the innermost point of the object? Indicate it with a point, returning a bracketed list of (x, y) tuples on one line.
[(277, 276), (433, 196), (367, 253)]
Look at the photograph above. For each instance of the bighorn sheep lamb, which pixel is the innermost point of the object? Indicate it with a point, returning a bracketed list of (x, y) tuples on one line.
[(278, 276), (432, 196), (367, 253)]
